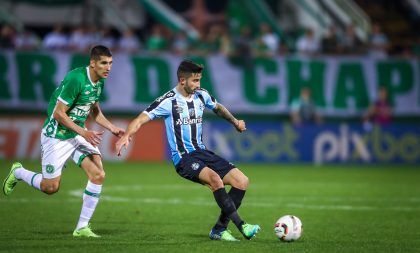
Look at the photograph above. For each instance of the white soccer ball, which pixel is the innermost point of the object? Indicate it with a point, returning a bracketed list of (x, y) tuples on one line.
[(288, 228)]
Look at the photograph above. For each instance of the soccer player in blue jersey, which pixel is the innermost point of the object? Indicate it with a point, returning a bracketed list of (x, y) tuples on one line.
[(182, 108)]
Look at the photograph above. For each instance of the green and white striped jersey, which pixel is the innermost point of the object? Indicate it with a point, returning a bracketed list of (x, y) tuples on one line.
[(77, 92)]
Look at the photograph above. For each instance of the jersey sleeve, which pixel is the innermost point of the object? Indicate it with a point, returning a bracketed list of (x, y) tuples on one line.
[(70, 91), (159, 109), (208, 100)]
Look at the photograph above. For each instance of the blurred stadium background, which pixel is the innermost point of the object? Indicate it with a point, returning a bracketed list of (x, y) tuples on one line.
[(259, 56)]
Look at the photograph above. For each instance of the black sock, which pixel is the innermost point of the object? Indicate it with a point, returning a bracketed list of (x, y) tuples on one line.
[(236, 195), (228, 207)]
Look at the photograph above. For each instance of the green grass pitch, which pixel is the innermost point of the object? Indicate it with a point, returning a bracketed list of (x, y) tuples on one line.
[(147, 207)]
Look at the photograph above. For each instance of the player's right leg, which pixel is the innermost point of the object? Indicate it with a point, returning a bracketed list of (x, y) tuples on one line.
[(222, 235), (54, 153), (19, 173), (10, 181)]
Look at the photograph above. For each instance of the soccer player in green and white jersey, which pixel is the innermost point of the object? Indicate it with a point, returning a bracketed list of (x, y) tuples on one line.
[(64, 136)]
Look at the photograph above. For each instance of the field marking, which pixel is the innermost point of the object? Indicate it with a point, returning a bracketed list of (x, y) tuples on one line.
[(334, 203), (124, 188), (250, 203), (76, 198), (32, 200)]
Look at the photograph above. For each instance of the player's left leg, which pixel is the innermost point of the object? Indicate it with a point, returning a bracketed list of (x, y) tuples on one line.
[(89, 159), (239, 183), (92, 165)]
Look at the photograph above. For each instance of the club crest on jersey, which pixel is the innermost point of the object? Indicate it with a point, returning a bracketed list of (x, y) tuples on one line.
[(49, 169), (191, 112), (201, 107), (195, 166)]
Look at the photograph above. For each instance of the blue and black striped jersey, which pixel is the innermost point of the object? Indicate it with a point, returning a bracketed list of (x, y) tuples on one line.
[(183, 120)]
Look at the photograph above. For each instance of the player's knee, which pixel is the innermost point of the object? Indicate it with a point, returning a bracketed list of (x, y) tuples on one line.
[(50, 189), (243, 183), (215, 182), (98, 177)]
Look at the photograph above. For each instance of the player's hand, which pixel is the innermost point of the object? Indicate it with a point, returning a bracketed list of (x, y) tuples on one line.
[(240, 126), (119, 132), (93, 137), (122, 143)]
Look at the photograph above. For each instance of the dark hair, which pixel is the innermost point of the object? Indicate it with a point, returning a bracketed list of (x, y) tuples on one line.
[(97, 51), (187, 67)]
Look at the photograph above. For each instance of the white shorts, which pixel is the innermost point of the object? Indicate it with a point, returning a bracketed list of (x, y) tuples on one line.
[(56, 152)]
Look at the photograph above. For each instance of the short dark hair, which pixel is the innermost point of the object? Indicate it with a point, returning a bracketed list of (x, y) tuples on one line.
[(188, 67), (97, 51)]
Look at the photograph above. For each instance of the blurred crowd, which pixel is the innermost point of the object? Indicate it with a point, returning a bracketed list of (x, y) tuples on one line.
[(215, 39), (303, 110)]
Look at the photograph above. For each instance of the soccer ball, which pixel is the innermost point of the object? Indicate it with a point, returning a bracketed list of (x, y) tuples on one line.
[(288, 228)]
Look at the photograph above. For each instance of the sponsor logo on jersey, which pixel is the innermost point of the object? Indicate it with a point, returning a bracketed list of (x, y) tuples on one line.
[(188, 121), (81, 110)]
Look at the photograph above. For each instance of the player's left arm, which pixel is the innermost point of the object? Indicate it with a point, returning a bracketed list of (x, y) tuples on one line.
[(222, 112), (100, 118)]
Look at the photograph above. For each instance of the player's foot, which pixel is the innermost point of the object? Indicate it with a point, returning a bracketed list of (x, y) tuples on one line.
[(84, 232), (249, 231), (10, 182), (224, 235)]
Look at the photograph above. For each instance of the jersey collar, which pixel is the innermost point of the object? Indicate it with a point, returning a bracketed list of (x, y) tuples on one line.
[(182, 96), (88, 75)]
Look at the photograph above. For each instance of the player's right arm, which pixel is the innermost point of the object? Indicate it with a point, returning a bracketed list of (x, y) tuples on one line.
[(132, 128), (160, 108), (93, 137)]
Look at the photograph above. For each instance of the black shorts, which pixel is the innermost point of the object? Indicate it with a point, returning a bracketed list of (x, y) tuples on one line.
[(192, 163)]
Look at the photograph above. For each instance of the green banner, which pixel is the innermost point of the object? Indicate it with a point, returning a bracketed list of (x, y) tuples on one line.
[(340, 86)]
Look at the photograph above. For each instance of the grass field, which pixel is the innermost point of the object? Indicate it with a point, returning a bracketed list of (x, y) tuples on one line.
[(148, 208)]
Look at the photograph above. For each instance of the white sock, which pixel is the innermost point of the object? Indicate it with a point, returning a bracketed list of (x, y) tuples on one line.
[(90, 200), (31, 178)]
